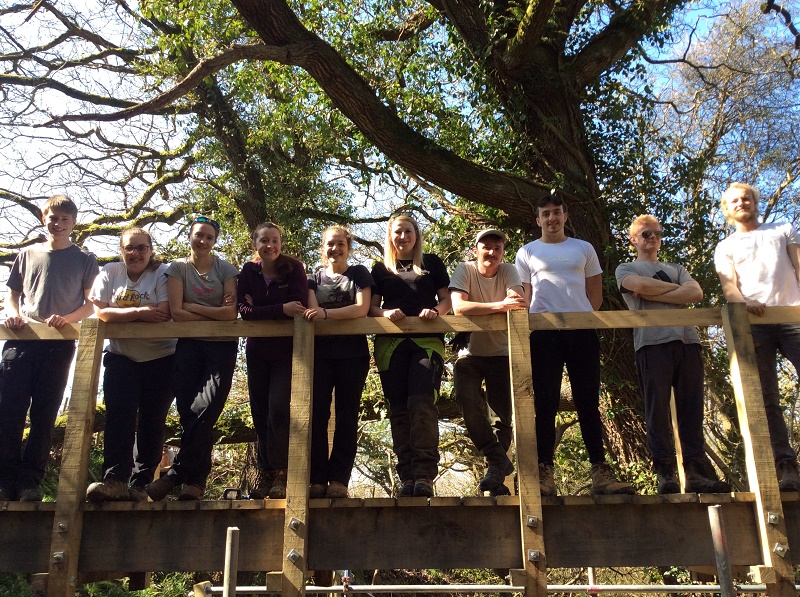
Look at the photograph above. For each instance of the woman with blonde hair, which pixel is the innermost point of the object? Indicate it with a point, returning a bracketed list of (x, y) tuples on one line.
[(341, 363), (137, 388), (410, 283)]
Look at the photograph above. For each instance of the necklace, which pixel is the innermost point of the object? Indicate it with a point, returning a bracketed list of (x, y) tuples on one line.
[(405, 267)]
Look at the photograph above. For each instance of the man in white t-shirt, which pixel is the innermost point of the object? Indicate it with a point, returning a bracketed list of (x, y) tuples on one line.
[(561, 274), (669, 360), (482, 287), (759, 265)]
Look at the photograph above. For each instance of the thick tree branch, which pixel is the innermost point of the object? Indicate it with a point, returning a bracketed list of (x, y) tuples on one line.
[(529, 32), (470, 21), (418, 21)]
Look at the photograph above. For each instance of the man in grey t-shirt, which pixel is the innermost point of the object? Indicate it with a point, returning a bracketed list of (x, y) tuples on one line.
[(668, 359), (481, 287)]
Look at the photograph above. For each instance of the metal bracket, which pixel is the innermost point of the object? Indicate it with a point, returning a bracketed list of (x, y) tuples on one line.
[(532, 521), (62, 527), (294, 524), (293, 556), (58, 557), (534, 555), (772, 517), (781, 549)]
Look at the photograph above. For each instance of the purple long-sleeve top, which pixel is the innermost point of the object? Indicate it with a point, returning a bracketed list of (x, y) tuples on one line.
[(268, 301)]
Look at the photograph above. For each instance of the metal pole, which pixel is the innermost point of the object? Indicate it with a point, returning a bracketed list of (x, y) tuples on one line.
[(724, 574), (231, 562)]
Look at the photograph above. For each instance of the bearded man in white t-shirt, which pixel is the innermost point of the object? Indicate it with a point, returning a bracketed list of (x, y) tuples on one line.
[(482, 287), (561, 274), (759, 265)]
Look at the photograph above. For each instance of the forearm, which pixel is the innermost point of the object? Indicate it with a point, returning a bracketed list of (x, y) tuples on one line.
[(80, 313), (444, 306), (223, 313), (473, 308), (117, 314), (348, 312)]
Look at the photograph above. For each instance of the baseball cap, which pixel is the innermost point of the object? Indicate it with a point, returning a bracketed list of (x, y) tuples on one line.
[(489, 232)]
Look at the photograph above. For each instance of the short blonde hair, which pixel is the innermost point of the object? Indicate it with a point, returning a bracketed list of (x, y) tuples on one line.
[(640, 221), (389, 252), (755, 196)]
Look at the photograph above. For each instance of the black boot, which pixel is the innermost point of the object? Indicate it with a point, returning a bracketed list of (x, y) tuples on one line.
[(701, 478), (667, 480)]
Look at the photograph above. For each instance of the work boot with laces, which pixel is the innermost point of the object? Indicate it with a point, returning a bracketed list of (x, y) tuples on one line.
[(604, 482), (110, 490), (496, 475), (278, 489), (547, 484), (702, 479), (788, 477), (667, 479)]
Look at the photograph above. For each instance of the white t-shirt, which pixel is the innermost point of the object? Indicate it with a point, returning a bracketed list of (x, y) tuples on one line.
[(112, 286), (557, 274), (761, 261), (485, 290)]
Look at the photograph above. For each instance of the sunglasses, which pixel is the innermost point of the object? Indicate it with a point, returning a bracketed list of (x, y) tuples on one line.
[(141, 249), (648, 233), (205, 220)]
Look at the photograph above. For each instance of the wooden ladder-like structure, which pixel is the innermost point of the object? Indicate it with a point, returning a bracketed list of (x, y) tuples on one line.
[(73, 540)]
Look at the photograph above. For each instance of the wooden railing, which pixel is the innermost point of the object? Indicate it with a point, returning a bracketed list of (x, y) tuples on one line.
[(71, 538)]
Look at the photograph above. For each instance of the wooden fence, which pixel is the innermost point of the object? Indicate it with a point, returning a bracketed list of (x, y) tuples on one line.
[(73, 540)]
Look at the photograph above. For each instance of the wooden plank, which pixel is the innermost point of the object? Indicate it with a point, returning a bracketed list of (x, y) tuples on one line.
[(530, 498), (295, 563), (68, 521), (676, 439), (758, 449), (41, 331)]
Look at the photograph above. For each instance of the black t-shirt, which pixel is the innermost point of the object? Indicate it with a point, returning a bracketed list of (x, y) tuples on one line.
[(336, 292), (409, 291)]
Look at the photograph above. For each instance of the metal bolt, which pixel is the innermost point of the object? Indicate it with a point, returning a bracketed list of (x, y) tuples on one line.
[(58, 557), (534, 555), (72, 581), (781, 549), (772, 517), (294, 524), (532, 521), (293, 556), (62, 527)]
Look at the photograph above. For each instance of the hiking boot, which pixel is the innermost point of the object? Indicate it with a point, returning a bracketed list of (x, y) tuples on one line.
[(137, 493), (604, 482), (278, 489), (667, 479), (317, 491), (191, 493), (547, 485), (336, 490), (29, 494), (423, 487), (702, 479), (495, 475), (408, 488), (788, 477), (500, 490), (161, 487), (261, 485), (110, 490)]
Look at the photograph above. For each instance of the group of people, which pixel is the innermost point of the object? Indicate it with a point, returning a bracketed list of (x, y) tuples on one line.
[(58, 283)]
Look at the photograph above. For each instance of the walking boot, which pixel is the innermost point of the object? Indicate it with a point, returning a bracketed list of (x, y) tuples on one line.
[(547, 484), (496, 474), (604, 482), (667, 479), (278, 489), (702, 479)]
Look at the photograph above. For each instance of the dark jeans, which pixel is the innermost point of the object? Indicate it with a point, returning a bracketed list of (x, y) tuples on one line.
[(663, 367), (469, 373), (579, 350), (33, 374), (768, 340), (137, 397), (270, 387), (410, 385), (346, 377), (202, 381)]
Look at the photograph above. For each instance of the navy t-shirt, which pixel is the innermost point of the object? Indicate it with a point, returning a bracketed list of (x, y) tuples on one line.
[(336, 292)]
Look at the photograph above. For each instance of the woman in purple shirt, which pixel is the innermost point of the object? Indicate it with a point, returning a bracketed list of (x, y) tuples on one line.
[(273, 286)]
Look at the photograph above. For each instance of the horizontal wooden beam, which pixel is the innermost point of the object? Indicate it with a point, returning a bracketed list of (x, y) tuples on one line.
[(387, 533)]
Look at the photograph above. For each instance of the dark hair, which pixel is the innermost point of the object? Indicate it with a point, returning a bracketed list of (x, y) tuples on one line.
[(551, 200), (60, 203), (283, 264)]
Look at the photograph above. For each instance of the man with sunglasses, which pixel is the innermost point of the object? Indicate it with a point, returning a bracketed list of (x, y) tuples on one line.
[(668, 360), (759, 265)]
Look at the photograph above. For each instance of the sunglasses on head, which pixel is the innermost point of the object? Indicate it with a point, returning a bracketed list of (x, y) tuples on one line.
[(205, 220), (648, 233)]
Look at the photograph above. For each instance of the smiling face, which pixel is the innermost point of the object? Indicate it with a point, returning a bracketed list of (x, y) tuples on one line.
[(404, 237), (335, 249), (740, 206), (646, 238), (267, 243), (489, 254), (59, 225), (136, 251), (551, 218), (202, 238)]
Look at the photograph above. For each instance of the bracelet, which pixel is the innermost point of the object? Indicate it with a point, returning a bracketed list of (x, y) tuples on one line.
[(326, 312), (435, 310)]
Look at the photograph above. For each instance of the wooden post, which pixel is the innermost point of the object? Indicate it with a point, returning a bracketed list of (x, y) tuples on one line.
[(530, 497), (776, 571), (295, 563), (676, 439), (66, 542)]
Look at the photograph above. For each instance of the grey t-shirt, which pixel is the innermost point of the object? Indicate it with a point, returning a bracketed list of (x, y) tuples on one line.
[(52, 282), (667, 272)]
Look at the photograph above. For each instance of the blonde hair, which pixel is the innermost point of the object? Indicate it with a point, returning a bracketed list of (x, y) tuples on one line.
[(134, 230), (390, 253), (348, 237), (642, 220), (755, 196)]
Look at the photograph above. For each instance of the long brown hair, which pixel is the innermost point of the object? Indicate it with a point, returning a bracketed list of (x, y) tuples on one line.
[(283, 264)]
